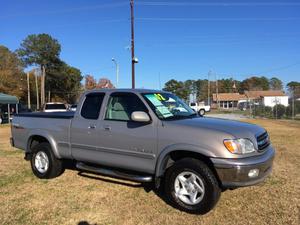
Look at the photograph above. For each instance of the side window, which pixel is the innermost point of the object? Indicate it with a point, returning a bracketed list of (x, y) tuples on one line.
[(122, 105), (91, 106)]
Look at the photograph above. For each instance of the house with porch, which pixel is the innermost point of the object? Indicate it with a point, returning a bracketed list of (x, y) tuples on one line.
[(228, 100)]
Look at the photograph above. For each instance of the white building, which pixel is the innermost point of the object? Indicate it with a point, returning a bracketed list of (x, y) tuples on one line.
[(268, 98), (272, 101)]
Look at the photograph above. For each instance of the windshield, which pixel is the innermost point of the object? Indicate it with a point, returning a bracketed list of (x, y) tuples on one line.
[(168, 106)]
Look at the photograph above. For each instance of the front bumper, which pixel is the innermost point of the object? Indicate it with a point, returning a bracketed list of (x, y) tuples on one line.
[(235, 172)]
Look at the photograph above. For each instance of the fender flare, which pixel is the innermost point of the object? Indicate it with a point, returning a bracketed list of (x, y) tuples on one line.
[(47, 136), (165, 155)]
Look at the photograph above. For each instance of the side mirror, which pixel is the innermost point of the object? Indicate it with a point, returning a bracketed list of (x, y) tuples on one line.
[(139, 116)]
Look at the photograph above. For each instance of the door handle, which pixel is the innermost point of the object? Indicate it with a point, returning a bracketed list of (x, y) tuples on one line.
[(108, 128), (92, 127)]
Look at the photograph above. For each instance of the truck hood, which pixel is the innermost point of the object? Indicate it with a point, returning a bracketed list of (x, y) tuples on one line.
[(235, 128)]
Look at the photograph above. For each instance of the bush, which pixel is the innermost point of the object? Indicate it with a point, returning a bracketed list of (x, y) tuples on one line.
[(278, 111), (289, 109), (268, 111), (262, 111)]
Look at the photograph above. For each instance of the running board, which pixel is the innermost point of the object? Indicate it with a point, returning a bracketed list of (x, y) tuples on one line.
[(114, 173)]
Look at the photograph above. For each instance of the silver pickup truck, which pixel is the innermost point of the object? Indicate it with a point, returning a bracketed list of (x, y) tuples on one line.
[(147, 136)]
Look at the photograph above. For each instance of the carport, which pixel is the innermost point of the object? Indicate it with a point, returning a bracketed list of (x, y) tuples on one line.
[(9, 100)]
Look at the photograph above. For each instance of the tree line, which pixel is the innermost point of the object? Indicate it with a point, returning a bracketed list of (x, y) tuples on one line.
[(204, 88)]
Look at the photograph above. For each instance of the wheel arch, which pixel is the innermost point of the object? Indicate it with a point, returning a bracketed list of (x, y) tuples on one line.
[(40, 137), (171, 155)]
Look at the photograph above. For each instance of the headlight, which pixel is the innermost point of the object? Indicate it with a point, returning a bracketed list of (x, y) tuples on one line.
[(239, 146)]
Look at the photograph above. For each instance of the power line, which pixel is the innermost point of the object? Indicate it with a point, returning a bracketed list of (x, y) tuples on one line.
[(70, 10), (91, 23), (205, 19), (279, 68), (218, 4), (263, 72), (220, 42)]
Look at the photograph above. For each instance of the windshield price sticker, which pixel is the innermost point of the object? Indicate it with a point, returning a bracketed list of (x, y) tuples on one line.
[(156, 99)]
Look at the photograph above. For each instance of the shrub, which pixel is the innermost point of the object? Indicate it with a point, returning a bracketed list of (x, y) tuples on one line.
[(262, 111), (289, 109), (278, 111), (268, 111)]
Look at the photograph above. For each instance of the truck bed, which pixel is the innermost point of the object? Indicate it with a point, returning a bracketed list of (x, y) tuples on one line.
[(50, 125)]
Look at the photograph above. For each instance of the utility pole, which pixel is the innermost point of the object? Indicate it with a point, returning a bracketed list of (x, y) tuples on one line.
[(293, 104), (208, 88), (117, 72), (28, 91), (43, 85), (37, 90), (44, 80), (276, 107), (217, 90), (133, 61)]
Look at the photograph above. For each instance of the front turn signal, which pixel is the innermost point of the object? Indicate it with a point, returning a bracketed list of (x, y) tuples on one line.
[(231, 146)]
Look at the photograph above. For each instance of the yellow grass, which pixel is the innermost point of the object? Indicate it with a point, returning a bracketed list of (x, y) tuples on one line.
[(71, 198)]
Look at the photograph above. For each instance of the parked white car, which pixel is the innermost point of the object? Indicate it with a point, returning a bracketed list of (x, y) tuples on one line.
[(55, 107), (200, 108), (73, 107)]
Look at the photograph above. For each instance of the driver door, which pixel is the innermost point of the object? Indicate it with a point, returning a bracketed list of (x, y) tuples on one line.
[(127, 144)]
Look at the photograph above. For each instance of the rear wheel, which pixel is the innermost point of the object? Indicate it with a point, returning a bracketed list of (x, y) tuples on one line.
[(201, 112), (44, 164), (191, 186)]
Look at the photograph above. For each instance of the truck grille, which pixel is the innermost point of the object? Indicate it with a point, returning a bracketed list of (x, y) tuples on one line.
[(263, 141)]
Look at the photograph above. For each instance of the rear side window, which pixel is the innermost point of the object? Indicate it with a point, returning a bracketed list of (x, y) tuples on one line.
[(92, 105)]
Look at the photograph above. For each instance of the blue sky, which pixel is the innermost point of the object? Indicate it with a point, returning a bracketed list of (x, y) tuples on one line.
[(180, 39)]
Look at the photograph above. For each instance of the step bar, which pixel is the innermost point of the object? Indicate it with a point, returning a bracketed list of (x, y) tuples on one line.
[(114, 173)]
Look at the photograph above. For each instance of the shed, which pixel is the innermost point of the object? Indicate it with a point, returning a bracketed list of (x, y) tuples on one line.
[(8, 100)]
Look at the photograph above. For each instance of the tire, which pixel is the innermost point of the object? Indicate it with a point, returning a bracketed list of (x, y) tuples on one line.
[(44, 164), (201, 112), (204, 180)]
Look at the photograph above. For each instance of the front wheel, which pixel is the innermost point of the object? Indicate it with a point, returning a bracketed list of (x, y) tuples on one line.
[(44, 164), (191, 186)]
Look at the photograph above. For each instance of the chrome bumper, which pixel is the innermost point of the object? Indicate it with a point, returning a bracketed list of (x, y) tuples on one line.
[(235, 172)]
